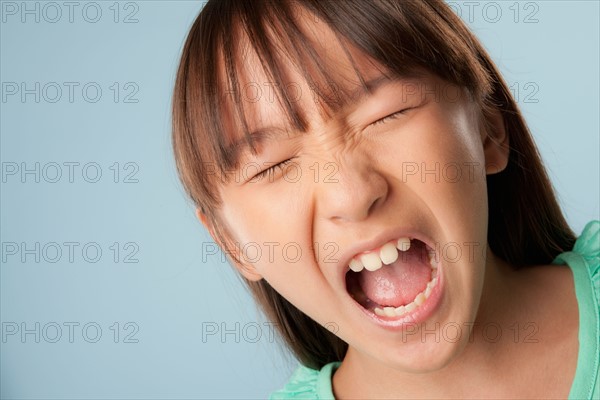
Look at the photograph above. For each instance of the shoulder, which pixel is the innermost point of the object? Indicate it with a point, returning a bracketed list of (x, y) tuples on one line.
[(584, 262), (308, 383), (584, 258)]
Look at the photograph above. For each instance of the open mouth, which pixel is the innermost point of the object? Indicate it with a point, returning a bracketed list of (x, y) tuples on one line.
[(394, 279)]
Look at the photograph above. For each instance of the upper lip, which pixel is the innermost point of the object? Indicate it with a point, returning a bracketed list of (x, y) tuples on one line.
[(378, 241)]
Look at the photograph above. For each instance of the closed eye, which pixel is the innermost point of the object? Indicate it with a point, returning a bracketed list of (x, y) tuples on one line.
[(279, 166), (389, 117)]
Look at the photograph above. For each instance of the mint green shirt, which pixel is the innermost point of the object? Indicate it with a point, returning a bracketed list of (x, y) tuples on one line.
[(584, 261)]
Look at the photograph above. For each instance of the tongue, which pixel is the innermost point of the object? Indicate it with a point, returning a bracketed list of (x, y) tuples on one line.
[(399, 283)]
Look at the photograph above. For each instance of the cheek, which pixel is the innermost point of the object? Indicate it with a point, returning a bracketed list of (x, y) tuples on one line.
[(275, 230), (279, 229), (454, 151), (440, 145), (437, 162), (451, 135)]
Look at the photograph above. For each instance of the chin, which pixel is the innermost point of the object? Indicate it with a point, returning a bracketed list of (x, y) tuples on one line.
[(422, 357)]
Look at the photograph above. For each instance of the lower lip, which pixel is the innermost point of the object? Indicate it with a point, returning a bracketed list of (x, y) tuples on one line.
[(416, 316)]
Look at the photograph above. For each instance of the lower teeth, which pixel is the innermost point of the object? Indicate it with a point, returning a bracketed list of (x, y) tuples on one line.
[(418, 300)]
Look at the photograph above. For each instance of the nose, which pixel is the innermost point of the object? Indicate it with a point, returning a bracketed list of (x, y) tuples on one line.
[(353, 192)]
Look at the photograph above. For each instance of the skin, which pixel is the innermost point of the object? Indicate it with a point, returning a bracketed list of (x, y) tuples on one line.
[(365, 196)]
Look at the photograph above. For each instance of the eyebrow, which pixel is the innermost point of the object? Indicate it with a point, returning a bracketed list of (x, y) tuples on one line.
[(370, 86), (243, 145), (358, 95)]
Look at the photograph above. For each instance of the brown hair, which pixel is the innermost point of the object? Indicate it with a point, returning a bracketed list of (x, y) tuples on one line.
[(526, 224)]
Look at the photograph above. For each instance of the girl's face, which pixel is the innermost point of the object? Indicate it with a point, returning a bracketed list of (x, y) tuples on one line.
[(406, 160)]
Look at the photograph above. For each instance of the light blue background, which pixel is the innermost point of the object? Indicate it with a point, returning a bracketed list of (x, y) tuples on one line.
[(172, 291)]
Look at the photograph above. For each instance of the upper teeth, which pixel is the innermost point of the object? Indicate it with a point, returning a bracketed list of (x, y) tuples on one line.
[(387, 254)]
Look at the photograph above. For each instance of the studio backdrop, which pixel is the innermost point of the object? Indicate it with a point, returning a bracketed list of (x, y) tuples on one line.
[(110, 287)]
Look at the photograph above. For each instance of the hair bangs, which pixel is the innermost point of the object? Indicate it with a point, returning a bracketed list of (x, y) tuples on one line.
[(275, 32)]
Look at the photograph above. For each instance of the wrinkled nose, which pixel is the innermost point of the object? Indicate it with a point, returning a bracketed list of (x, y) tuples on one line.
[(353, 192)]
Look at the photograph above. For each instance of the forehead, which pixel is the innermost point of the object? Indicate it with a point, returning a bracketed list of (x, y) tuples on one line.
[(314, 80)]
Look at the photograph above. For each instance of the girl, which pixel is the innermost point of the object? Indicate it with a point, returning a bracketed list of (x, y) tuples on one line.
[(367, 171)]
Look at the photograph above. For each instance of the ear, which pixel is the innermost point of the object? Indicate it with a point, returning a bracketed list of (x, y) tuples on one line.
[(495, 143), (247, 270)]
